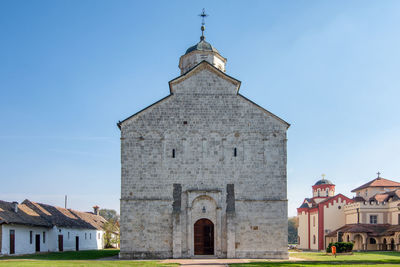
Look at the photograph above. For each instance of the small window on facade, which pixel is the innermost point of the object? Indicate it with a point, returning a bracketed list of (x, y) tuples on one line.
[(68, 235), (90, 235), (30, 237), (235, 152), (173, 153), (85, 236), (366, 191), (44, 237), (313, 220), (314, 239), (318, 192), (184, 122), (327, 192), (373, 219)]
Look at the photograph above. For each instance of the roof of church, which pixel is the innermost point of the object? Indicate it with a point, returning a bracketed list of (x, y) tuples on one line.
[(203, 64), (323, 181), (371, 229), (386, 196), (378, 182), (201, 46)]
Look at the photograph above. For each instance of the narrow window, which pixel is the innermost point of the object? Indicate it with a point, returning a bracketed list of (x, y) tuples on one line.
[(348, 238), (30, 237), (68, 235), (318, 192), (327, 192), (90, 235), (44, 237), (373, 219), (85, 236), (313, 239), (235, 152), (173, 153), (313, 220)]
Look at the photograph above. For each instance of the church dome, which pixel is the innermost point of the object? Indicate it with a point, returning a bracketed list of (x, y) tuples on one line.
[(202, 46), (323, 181)]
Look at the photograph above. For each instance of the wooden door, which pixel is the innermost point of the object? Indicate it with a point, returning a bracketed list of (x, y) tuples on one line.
[(37, 243), (204, 237), (60, 243), (12, 241), (77, 243)]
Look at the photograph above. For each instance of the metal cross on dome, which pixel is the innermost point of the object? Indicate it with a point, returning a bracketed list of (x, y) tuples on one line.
[(378, 174), (323, 176), (203, 15)]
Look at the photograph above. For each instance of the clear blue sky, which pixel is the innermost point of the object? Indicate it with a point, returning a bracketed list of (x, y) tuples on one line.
[(69, 70)]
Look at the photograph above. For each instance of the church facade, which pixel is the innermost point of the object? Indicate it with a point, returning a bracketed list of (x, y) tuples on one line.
[(203, 170)]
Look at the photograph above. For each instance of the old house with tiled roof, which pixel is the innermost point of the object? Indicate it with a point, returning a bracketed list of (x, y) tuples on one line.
[(371, 220), (32, 227)]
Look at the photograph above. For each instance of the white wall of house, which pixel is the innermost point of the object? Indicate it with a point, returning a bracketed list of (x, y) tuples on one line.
[(22, 239), (303, 230), (88, 239)]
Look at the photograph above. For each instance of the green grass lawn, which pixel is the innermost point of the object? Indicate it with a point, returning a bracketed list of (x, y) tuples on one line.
[(74, 258), (68, 255), (78, 263), (381, 258)]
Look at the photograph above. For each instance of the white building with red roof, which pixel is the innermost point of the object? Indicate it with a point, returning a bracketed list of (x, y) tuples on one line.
[(320, 215), (371, 220)]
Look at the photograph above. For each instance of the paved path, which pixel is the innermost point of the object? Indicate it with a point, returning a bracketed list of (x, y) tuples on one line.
[(218, 262)]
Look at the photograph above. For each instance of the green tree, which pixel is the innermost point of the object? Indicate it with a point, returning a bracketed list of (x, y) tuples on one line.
[(111, 227), (293, 223), (109, 214)]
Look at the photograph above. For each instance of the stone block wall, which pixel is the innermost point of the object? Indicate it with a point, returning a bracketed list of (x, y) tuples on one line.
[(203, 137)]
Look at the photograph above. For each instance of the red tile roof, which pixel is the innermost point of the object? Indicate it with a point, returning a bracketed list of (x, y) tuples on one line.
[(378, 182)]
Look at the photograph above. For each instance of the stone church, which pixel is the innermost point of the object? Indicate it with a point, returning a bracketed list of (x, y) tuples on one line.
[(203, 170)]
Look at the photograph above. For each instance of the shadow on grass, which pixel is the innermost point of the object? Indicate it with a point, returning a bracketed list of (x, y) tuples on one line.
[(68, 255)]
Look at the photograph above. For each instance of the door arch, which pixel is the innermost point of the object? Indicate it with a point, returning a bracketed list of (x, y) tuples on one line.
[(204, 237)]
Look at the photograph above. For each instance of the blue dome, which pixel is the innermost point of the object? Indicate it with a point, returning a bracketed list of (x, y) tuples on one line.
[(323, 181)]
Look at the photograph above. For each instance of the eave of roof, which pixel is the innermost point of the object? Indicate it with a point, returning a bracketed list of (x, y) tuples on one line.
[(198, 67), (390, 183), (193, 71)]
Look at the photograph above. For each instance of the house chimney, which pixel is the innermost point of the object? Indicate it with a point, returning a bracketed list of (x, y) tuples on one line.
[(15, 206), (96, 210)]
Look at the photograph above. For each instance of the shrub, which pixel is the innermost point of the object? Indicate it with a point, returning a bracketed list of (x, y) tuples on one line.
[(340, 247)]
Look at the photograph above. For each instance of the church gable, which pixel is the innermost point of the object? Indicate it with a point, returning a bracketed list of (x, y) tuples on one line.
[(204, 79)]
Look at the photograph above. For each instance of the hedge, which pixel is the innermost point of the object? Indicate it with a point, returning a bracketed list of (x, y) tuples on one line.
[(340, 247)]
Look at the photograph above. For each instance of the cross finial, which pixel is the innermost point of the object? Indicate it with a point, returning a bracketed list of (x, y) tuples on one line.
[(378, 174), (203, 15), (323, 176)]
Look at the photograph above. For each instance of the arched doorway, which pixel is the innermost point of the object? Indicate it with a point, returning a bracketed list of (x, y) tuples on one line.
[(203, 237), (384, 245), (392, 244)]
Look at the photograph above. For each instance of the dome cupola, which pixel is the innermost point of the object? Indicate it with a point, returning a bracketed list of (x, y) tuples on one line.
[(202, 51), (323, 188)]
